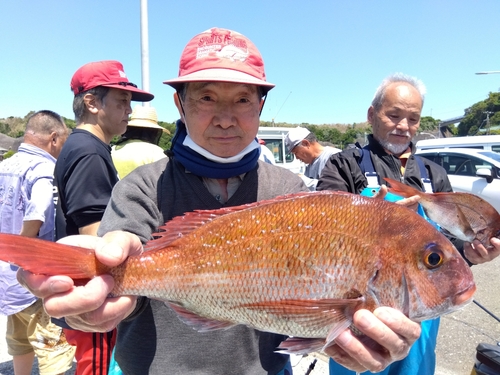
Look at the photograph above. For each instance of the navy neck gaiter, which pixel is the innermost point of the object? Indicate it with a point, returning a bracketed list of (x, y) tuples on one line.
[(201, 166)]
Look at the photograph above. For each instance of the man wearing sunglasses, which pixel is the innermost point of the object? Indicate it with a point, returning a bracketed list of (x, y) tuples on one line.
[(85, 175)]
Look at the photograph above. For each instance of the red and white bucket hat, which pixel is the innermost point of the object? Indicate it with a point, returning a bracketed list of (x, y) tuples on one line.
[(221, 55)]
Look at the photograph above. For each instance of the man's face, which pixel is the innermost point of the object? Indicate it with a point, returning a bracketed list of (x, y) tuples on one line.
[(398, 120), (303, 152), (114, 112), (221, 117)]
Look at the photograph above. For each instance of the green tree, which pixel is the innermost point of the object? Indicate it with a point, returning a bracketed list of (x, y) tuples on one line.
[(166, 138), (349, 137), (428, 124), (70, 123), (476, 117), (4, 128)]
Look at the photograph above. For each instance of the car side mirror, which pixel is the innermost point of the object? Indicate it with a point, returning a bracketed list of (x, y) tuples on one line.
[(485, 173)]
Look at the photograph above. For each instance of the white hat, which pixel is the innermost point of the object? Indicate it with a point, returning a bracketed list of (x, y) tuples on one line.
[(144, 117), (294, 137)]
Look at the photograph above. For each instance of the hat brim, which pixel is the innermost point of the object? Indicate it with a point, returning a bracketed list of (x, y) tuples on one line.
[(218, 75), (144, 124), (138, 95), (288, 149)]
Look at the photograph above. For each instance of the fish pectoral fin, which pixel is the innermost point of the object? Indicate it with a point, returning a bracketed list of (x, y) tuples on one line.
[(307, 307), (464, 225), (322, 312), (299, 345), (197, 322), (336, 330)]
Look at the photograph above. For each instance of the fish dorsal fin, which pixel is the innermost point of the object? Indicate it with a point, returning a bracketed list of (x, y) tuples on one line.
[(175, 229)]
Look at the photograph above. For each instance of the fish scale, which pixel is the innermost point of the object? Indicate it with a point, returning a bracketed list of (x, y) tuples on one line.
[(276, 253), (298, 265)]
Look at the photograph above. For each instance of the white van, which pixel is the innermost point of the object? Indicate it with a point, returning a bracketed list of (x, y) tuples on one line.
[(275, 141), (480, 142)]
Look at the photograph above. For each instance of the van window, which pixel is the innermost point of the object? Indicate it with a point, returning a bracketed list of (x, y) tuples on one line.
[(276, 147), (464, 165), (495, 148), (456, 164), (477, 147)]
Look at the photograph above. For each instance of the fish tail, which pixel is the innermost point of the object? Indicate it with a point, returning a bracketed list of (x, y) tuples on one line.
[(49, 258), (401, 189)]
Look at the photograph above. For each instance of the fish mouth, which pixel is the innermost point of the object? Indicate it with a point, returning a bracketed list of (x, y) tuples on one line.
[(465, 296)]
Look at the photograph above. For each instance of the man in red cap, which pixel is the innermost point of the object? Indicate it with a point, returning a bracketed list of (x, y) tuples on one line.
[(85, 175), (213, 163)]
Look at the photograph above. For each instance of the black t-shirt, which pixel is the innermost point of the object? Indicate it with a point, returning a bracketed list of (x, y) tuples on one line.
[(84, 177)]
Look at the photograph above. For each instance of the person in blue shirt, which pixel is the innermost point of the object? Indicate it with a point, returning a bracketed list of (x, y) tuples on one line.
[(27, 208)]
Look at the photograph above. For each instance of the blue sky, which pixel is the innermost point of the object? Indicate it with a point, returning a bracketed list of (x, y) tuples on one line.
[(326, 57)]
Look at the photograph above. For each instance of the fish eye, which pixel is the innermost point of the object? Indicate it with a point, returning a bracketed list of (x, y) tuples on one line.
[(433, 257)]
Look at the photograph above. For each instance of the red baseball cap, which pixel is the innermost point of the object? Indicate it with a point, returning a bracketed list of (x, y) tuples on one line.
[(107, 73), (221, 55)]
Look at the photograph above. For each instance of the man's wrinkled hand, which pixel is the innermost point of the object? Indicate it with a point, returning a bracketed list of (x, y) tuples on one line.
[(87, 307), (411, 203), (389, 337), (477, 253)]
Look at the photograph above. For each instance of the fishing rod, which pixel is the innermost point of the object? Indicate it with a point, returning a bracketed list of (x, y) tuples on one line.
[(311, 367), (486, 310)]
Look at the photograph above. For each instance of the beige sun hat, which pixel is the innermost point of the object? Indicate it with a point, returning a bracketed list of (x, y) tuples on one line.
[(144, 117)]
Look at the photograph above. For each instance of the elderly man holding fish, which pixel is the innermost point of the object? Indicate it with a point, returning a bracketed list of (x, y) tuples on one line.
[(212, 165), (395, 118)]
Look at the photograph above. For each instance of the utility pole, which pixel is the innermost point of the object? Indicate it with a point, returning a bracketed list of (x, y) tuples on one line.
[(488, 113), (145, 48)]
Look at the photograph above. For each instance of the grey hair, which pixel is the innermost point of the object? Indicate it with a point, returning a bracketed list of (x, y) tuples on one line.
[(44, 123), (379, 96), (79, 107), (311, 137)]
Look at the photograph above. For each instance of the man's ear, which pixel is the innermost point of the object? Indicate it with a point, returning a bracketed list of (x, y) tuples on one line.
[(370, 114), (92, 103), (177, 101), (53, 138)]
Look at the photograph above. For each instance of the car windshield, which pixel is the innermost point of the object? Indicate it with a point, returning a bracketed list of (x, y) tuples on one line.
[(491, 155)]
